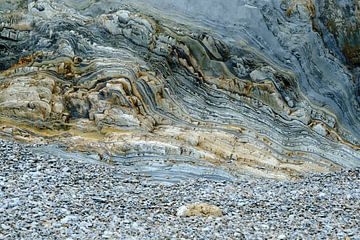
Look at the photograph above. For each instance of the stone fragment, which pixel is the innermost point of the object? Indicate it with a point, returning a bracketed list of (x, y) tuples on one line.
[(199, 210)]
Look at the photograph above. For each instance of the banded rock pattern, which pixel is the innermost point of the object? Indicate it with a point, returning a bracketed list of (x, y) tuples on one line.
[(256, 87)]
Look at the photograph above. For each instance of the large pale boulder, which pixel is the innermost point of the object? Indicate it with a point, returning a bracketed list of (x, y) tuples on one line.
[(199, 210)]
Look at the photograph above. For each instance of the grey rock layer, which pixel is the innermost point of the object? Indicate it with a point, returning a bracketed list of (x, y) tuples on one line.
[(259, 87)]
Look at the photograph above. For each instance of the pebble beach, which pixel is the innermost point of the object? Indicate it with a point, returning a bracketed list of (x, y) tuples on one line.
[(46, 197)]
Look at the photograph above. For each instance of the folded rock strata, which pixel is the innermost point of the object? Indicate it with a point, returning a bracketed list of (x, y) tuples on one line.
[(256, 87)]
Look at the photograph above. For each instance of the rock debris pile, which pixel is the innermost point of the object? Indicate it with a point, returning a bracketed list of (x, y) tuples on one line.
[(44, 197)]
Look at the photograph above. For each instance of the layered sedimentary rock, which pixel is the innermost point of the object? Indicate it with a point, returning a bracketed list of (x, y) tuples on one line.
[(256, 87)]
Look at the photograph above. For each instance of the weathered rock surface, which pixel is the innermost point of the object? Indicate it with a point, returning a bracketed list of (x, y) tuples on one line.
[(199, 210), (258, 87)]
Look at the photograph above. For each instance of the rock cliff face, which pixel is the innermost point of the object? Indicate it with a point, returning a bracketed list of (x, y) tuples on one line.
[(269, 88)]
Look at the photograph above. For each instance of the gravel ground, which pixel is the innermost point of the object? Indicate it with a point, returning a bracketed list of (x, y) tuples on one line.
[(44, 197)]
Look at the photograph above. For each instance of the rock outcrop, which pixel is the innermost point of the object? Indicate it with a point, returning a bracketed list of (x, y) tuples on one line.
[(257, 87)]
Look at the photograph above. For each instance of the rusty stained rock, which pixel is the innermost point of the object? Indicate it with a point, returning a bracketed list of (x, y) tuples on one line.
[(139, 81)]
